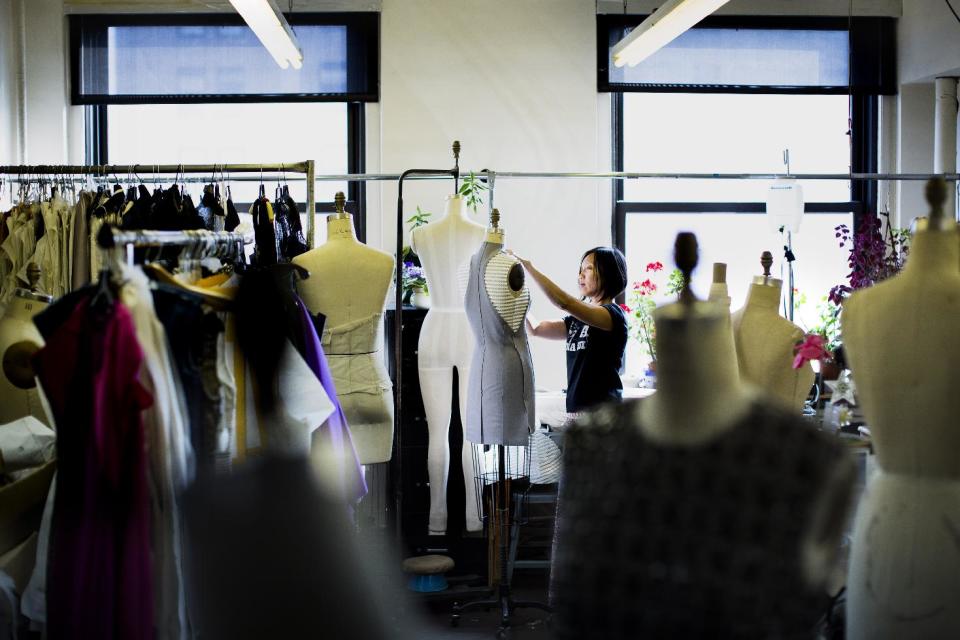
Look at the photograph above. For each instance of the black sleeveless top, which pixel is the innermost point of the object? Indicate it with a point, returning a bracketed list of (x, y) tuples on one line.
[(701, 541)]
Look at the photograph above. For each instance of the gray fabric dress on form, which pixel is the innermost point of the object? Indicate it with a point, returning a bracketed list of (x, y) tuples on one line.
[(500, 398)]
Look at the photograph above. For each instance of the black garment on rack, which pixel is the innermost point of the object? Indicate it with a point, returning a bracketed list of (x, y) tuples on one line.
[(140, 214), (191, 332), (233, 218), (267, 250), (289, 229)]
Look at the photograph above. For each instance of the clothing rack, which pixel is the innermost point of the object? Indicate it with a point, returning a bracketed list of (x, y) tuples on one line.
[(306, 167), (110, 238)]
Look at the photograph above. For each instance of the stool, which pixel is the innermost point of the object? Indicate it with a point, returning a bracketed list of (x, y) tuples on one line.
[(427, 572)]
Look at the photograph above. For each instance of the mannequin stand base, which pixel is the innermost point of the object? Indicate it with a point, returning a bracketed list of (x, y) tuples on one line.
[(503, 601)]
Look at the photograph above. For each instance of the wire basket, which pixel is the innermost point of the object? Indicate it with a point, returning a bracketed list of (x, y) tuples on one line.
[(488, 492)]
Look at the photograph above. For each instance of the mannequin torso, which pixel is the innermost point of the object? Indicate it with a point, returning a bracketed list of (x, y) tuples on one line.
[(19, 340), (348, 284), (764, 342), (692, 433), (903, 346)]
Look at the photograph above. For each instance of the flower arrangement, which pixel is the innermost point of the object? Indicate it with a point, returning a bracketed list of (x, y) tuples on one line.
[(642, 305), (875, 255), (413, 279)]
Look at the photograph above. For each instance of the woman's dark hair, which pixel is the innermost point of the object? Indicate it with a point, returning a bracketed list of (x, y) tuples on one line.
[(611, 269)]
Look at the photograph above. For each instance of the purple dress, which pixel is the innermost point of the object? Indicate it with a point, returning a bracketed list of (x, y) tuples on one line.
[(335, 432)]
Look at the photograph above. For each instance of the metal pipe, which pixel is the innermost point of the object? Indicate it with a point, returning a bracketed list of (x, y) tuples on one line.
[(625, 175), (111, 169), (311, 202), (945, 135)]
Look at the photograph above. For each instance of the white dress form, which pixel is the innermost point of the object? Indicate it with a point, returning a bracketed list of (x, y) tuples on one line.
[(765, 340), (348, 284), (903, 344), (446, 343)]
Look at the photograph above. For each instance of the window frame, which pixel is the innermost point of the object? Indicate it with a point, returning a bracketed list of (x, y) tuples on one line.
[(864, 116), (96, 122)]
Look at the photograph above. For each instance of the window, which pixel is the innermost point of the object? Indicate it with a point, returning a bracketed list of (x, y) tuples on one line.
[(729, 97), (201, 89)]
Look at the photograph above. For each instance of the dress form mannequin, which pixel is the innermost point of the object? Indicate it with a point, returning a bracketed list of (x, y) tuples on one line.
[(669, 477), (349, 284), (445, 247), (19, 340), (720, 295), (765, 341), (500, 406), (904, 350)]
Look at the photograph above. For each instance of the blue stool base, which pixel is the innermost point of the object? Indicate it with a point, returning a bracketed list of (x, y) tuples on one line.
[(427, 583)]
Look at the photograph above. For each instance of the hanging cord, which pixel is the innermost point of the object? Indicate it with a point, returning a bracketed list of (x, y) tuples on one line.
[(952, 10)]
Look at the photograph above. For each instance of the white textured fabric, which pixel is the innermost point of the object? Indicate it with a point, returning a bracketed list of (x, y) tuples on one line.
[(545, 459), (26, 442), (171, 457), (511, 305), (34, 602), (303, 402)]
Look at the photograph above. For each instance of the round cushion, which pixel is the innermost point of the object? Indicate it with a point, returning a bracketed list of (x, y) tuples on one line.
[(427, 565)]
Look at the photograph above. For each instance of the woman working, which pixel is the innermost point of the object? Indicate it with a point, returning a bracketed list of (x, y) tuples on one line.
[(595, 329)]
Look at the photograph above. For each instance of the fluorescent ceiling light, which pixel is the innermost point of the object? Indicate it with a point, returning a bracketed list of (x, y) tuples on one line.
[(670, 20), (272, 29)]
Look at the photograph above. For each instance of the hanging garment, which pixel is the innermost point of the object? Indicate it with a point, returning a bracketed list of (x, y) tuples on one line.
[(355, 354), (267, 251), (233, 218), (500, 405), (289, 229), (172, 464), (688, 541), (333, 438), (192, 333), (80, 235), (100, 533)]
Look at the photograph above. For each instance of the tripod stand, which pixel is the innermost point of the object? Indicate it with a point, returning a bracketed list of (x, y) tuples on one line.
[(501, 494)]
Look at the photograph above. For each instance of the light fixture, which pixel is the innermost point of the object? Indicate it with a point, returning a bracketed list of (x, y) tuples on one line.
[(670, 20), (269, 25)]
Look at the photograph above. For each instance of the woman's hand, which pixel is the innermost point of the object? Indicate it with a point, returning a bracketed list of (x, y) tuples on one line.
[(526, 263)]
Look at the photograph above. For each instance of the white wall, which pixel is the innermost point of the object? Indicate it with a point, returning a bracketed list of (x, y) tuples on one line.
[(928, 41), (928, 45), (9, 85), (515, 82), (45, 82)]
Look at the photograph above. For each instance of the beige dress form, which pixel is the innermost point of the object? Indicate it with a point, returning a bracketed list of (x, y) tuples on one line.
[(902, 339), (765, 340), (348, 284), (19, 340)]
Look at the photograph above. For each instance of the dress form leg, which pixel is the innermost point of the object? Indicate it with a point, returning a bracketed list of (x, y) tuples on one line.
[(466, 457), (436, 386)]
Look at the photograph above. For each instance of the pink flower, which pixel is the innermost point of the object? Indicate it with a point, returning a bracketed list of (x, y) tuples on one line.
[(626, 309), (812, 348), (655, 266)]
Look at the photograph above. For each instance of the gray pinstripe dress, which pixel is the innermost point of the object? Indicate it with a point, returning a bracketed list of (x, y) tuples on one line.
[(500, 398)]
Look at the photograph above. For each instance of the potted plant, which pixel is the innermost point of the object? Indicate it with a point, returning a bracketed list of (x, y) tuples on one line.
[(641, 305)]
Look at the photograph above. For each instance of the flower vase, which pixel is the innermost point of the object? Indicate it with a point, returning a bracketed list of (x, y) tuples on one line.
[(649, 379), (420, 299)]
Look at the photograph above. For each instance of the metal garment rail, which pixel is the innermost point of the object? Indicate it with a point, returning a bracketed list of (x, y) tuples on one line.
[(110, 238), (306, 167)]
